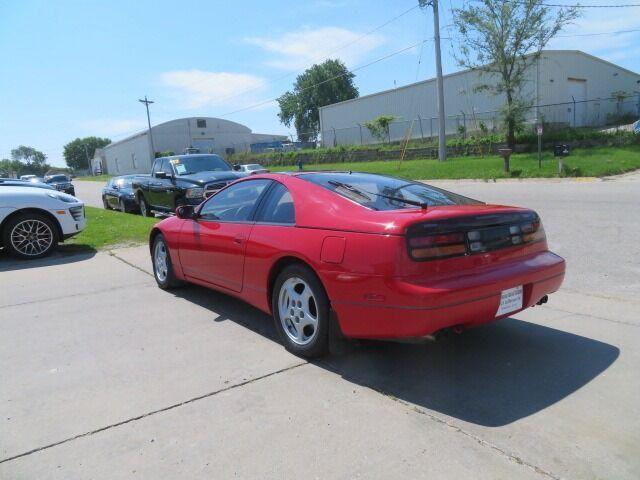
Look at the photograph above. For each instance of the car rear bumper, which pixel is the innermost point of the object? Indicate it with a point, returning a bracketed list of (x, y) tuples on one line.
[(405, 307)]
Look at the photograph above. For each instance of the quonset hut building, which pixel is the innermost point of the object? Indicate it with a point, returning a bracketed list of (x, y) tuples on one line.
[(206, 134), (573, 88)]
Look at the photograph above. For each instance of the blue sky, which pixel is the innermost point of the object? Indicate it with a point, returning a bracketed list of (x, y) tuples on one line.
[(77, 68)]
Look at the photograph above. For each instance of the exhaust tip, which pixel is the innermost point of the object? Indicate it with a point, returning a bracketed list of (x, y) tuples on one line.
[(543, 300)]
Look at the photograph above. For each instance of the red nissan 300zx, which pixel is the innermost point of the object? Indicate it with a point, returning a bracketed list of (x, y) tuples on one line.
[(385, 257)]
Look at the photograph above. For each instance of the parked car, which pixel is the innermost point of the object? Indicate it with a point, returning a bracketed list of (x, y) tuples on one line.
[(27, 177), (24, 183), (181, 180), (118, 193), (252, 169), (390, 258), (33, 220), (62, 183)]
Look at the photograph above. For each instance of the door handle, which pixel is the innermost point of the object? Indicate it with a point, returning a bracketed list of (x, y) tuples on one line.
[(238, 240)]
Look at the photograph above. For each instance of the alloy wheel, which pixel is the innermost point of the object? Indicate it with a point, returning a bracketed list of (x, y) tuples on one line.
[(160, 261), (31, 237), (298, 311)]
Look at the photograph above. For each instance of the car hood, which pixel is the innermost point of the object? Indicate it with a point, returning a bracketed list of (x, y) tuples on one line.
[(202, 178)]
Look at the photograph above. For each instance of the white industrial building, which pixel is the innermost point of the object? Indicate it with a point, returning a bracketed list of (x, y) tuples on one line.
[(573, 88), (206, 134)]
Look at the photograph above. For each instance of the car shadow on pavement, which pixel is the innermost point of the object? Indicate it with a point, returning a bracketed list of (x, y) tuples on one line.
[(60, 256), (490, 376)]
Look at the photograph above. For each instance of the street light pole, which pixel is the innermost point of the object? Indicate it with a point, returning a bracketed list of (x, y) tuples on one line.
[(442, 141), (146, 104)]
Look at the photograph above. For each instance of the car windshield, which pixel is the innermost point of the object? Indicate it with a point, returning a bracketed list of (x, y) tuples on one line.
[(123, 182), (200, 163), (379, 192), (57, 178)]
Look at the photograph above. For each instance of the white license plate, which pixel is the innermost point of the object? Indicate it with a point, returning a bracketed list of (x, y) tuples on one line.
[(510, 300)]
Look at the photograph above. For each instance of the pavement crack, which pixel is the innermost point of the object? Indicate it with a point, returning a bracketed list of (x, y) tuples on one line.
[(80, 294), (153, 412), (126, 262)]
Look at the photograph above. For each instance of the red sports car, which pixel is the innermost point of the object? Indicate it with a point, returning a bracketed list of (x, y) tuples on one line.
[(382, 256)]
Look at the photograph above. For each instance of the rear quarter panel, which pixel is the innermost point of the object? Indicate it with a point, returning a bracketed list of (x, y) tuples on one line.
[(365, 256)]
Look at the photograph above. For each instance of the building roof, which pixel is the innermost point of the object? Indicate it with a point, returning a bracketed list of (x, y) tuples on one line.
[(461, 72), (178, 121)]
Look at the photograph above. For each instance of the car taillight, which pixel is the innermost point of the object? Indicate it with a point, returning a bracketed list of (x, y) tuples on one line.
[(469, 236), (437, 246)]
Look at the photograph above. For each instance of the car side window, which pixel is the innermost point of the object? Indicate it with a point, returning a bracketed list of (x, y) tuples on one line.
[(166, 166), (156, 166), (278, 207), (236, 203)]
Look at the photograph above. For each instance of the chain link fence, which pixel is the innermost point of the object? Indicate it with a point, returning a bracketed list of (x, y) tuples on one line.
[(605, 112)]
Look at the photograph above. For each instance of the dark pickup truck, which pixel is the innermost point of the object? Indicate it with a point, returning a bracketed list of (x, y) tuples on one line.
[(181, 180)]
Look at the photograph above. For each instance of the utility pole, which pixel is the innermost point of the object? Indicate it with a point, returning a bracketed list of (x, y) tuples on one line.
[(146, 104), (538, 122), (442, 141), (86, 154)]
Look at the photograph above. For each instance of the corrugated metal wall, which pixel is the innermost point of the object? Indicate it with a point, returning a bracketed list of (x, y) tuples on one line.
[(132, 155), (416, 108)]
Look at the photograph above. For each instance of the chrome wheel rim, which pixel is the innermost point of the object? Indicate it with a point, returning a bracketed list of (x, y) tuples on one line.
[(298, 311), (31, 237), (160, 261)]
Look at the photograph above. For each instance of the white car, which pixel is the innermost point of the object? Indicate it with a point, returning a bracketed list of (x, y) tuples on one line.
[(33, 220), (252, 169)]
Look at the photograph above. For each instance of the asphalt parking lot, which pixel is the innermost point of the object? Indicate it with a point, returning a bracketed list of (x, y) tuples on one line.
[(106, 376)]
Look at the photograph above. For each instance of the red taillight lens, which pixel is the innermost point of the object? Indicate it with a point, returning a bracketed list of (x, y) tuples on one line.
[(428, 241), (437, 246)]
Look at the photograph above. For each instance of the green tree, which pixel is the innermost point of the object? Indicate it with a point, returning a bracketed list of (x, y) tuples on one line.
[(320, 85), (79, 152), (501, 39), (379, 127), (31, 160), (10, 167)]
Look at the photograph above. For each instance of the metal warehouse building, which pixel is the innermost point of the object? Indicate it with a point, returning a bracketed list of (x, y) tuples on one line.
[(573, 88), (207, 134)]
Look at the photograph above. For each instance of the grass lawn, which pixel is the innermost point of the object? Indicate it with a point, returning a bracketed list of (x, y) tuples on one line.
[(106, 228), (592, 162), (95, 178)]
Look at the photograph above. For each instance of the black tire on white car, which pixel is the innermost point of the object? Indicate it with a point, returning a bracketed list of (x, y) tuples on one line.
[(29, 235)]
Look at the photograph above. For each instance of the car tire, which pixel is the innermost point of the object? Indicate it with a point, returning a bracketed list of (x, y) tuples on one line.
[(105, 203), (144, 207), (301, 311), (162, 266), (122, 206), (15, 231)]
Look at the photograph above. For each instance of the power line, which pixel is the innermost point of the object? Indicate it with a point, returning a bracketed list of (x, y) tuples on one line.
[(561, 5), (601, 33), (360, 67), (325, 56)]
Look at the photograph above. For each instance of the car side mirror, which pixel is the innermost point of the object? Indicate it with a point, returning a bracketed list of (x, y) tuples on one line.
[(186, 212), (236, 167), (163, 175)]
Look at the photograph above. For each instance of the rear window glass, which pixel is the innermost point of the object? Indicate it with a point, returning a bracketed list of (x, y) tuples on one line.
[(379, 192)]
